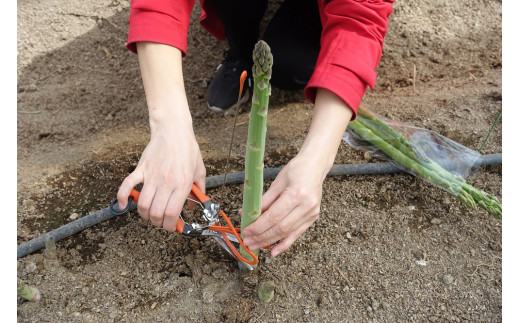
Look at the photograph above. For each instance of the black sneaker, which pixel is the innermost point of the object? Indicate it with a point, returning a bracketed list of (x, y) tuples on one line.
[(223, 91)]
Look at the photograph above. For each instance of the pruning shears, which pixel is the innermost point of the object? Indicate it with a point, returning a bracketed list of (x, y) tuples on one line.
[(211, 213)]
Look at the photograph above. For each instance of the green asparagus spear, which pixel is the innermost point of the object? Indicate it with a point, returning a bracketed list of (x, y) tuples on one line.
[(254, 167), (28, 292)]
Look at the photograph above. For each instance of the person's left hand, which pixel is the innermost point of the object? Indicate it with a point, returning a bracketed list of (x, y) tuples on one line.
[(290, 206), (292, 203)]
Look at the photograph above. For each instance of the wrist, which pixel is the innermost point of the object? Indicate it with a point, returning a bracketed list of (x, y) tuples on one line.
[(175, 118)]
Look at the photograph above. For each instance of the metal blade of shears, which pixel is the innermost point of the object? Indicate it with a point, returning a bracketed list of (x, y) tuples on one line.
[(224, 245)]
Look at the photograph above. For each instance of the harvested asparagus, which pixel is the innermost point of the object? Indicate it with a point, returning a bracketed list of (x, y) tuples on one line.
[(396, 146)]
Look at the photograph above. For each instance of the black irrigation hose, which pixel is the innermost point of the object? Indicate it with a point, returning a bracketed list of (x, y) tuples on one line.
[(270, 173)]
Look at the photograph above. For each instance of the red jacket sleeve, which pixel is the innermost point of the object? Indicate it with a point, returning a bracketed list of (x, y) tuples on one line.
[(351, 47), (159, 21)]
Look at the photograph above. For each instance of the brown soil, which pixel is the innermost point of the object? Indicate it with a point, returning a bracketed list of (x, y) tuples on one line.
[(386, 247)]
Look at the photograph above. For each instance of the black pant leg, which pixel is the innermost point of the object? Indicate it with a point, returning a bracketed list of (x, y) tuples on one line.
[(294, 36), (241, 21)]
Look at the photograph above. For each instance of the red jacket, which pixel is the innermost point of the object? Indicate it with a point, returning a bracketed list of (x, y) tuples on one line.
[(351, 40)]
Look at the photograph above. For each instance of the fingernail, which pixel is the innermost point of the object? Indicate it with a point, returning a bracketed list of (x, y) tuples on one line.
[(275, 253)]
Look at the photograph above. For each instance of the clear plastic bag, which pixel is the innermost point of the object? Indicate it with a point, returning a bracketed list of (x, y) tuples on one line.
[(422, 153), (428, 145)]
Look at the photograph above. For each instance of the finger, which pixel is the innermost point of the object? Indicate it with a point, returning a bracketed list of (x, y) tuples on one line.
[(174, 208), (277, 232), (271, 217), (128, 184), (272, 194), (159, 204), (145, 200)]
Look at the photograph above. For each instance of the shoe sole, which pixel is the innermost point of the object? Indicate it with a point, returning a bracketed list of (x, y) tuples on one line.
[(226, 112)]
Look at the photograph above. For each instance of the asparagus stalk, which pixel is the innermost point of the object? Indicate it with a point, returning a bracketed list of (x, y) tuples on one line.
[(50, 248), (28, 292), (254, 166)]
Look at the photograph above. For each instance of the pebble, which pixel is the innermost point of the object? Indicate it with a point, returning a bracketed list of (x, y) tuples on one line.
[(349, 236), (447, 279), (421, 262), (113, 314), (411, 208), (375, 304), (73, 216), (436, 221), (207, 296), (32, 88)]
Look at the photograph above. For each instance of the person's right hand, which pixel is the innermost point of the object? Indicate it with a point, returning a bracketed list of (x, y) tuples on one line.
[(168, 167), (171, 162)]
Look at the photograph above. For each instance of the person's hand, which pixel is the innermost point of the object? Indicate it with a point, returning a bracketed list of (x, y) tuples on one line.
[(168, 167), (290, 206), (292, 203), (171, 162)]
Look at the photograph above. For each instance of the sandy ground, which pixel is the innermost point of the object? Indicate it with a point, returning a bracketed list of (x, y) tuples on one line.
[(386, 248)]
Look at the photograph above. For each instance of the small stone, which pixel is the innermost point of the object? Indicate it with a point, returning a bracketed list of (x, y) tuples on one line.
[(85, 291), (447, 279), (113, 314), (421, 262), (306, 311), (32, 88), (369, 309), (375, 304), (196, 272), (386, 306), (349, 236), (207, 296), (436, 221), (73, 216), (411, 207), (153, 305), (443, 308)]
